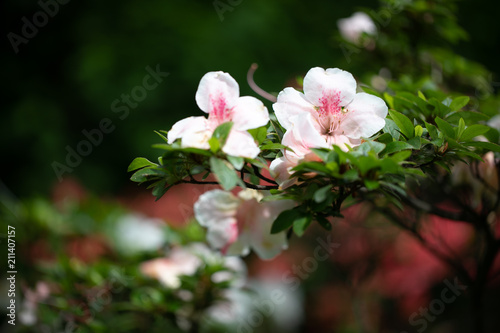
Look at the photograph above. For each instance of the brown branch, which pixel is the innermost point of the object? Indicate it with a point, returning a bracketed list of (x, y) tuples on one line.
[(258, 90)]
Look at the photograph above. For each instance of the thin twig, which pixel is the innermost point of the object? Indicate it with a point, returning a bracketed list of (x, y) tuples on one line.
[(258, 90)]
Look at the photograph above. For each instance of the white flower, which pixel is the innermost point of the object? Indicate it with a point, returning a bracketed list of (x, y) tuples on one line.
[(186, 261), (218, 95), (237, 223), (136, 233), (352, 28), (329, 112), (495, 122)]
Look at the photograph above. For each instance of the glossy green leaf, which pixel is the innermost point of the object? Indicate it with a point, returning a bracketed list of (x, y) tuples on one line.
[(300, 225), (403, 122), (285, 220), (445, 127), (140, 162), (224, 173), (473, 131), (459, 103)]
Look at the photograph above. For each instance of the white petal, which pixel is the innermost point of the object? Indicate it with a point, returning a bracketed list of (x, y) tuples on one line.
[(319, 83), (265, 244), (280, 170), (197, 139), (342, 141), (241, 144), (366, 103), (291, 103), (214, 206), (305, 133), (361, 125), (223, 234), (249, 113), (352, 27), (239, 248), (185, 126), (216, 210), (217, 89)]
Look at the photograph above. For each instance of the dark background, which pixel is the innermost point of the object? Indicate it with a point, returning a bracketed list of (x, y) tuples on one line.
[(65, 78)]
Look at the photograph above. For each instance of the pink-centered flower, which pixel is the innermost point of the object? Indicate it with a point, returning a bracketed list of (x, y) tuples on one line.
[(328, 113), (237, 223), (218, 95)]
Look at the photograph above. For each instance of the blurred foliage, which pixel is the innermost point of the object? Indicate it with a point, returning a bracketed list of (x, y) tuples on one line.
[(65, 78)]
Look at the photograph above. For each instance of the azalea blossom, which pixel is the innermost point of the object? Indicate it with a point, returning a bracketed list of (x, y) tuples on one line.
[(187, 260), (136, 233), (352, 28), (329, 112), (218, 95), (237, 223)]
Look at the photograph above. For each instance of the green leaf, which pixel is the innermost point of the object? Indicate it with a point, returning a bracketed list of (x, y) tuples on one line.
[(445, 127), (485, 145), (285, 220), (470, 117), (389, 99), (370, 146), (222, 132), (273, 146), (401, 156), (224, 173), (403, 122), (237, 161), (415, 142), (324, 223), (371, 184), (433, 132), (143, 174), (460, 129), (391, 128), (459, 103), (259, 134), (321, 194), (300, 225), (214, 145), (163, 135), (419, 131), (473, 131), (140, 162), (421, 95), (160, 189), (396, 146)]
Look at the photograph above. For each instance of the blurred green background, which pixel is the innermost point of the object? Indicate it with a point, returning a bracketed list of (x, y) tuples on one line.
[(65, 78)]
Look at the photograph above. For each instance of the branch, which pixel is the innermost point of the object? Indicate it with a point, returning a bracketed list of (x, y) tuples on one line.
[(441, 256), (258, 174), (261, 92)]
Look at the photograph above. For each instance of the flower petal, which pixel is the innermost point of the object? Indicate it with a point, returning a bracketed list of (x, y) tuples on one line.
[(248, 113), (217, 90), (305, 134), (280, 170), (241, 144), (197, 139), (186, 126), (361, 125), (216, 210), (291, 103), (363, 102), (214, 206), (365, 117), (265, 244), (319, 83)]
